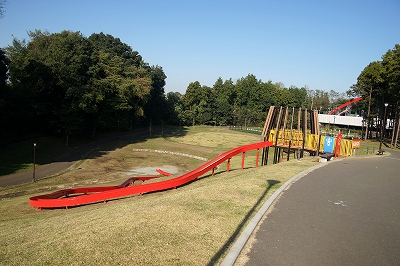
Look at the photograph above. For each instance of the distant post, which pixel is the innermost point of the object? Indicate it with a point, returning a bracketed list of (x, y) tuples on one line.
[(383, 126), (34, 162)]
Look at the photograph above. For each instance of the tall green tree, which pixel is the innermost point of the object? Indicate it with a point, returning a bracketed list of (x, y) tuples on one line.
[(224, 94), (155, 108), (175, 109), (4, 61), (370, 85), (318, 100), (192, 99), (247, 107), (71, 84), (120, 83), (298, 97), (45, 72), (269, 95), (391, 65), (4, 101)]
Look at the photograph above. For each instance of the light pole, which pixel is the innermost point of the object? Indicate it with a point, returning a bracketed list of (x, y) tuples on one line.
[(34, 162), (383, 126)]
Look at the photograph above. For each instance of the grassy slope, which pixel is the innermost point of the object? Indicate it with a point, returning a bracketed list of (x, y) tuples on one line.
[(192, 225)]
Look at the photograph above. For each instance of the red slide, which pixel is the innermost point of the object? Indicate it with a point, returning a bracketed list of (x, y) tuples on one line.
[(81, 196), (344, 105)]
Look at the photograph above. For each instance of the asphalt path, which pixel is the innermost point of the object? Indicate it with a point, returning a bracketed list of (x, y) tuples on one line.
[(344, 213)]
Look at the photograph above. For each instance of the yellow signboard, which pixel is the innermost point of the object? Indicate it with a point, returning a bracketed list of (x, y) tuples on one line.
[(356, 143)]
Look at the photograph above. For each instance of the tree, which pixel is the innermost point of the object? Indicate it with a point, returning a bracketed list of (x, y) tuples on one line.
[(370, 85), (299, 97), (70, 84), (391, 65), (223, 95), (120, 84), (174, 109), (246, 91), (247, 104), (268, 95), (319, 100), (4, 62), (41, 73), (191, 100), (155, 108), (206, 108)]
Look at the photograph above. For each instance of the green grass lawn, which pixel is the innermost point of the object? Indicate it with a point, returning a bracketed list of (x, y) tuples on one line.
[(191, 225)]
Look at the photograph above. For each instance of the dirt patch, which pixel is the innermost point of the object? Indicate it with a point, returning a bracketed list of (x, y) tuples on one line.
[(151, 170)]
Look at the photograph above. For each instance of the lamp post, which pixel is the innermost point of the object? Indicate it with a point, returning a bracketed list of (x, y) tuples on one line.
[(383, 126), (362, 129), (34, 162)]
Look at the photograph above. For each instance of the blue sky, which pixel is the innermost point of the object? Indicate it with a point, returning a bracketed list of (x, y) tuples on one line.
[(320, 44)]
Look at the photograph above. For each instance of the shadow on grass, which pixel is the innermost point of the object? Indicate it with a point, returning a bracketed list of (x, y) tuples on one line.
[(238, 230), (18, 157), (97, 148)]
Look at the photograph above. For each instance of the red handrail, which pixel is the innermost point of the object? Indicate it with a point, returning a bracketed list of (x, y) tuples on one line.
[(82, 196)]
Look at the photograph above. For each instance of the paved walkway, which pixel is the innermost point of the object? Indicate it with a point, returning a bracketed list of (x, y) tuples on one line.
[(344, 213)]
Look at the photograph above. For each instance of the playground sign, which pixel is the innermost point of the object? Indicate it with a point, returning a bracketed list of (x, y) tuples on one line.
[(328, 144), (356, 143)]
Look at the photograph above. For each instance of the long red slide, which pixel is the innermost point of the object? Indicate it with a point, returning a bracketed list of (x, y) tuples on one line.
[(81, 196)]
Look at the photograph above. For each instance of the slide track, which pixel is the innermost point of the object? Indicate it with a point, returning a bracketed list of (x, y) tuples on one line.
[(86, 195)]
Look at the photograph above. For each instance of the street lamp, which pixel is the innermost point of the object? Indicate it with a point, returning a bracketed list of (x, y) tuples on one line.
[(383, 126), (34, 161)]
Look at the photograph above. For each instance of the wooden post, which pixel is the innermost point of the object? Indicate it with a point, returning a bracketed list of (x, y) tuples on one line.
[(298, 127), (266, 155), (304, 128), (291, 126), (284, 125), (278, 126), (267, 125), (267, 130)]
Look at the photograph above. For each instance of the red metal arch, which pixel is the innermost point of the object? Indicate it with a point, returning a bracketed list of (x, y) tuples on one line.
[(344, 105)]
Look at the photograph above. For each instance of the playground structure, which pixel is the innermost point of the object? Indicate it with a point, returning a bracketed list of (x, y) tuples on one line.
[(295, 131), (81, 196), (287, 130), (346, 105)]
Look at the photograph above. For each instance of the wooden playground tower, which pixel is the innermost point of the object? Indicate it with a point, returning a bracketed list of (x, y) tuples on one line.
[(292, 131)]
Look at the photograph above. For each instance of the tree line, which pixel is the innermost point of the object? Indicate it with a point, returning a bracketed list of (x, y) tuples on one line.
[(68, 84), (379, 84), (246, 101)]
